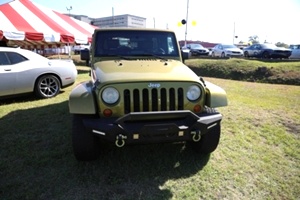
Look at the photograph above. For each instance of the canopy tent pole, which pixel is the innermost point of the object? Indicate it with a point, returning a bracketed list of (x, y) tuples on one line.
[(69, 50)]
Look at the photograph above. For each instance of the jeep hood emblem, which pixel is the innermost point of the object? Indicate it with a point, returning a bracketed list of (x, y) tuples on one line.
[(154, 85)]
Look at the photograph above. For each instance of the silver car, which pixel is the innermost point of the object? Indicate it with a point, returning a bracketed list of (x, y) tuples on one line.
[(226, 50), (23, 71)]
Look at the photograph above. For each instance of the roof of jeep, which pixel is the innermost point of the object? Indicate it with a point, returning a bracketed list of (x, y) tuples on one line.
[(133, 29)]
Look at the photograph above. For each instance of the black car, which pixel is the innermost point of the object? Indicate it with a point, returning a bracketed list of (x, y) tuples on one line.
[(266, 51), (196, 49)]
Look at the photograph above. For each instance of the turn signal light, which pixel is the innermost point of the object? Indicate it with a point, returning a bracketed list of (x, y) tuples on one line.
[(107, 112), (197, 108)]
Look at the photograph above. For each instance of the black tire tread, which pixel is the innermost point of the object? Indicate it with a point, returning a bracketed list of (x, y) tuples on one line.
[(85, 144)]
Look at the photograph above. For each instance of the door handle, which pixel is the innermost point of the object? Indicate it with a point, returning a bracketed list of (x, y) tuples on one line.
[(7, 70)]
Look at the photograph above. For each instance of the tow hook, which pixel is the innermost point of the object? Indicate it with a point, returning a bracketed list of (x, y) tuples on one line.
[(120, 140), (196, 135)]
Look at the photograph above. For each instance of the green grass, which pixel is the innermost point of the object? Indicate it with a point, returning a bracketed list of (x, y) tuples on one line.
[(258, 156)]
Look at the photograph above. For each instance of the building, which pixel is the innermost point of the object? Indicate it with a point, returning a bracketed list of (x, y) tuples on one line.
[(114, 21), (120, 21), (83, 18)]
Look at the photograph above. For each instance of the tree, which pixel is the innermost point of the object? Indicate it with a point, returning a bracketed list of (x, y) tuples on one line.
[(281, 44), (254, 39)]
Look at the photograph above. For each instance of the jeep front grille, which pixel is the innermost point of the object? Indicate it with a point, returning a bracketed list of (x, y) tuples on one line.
[(154, 99)]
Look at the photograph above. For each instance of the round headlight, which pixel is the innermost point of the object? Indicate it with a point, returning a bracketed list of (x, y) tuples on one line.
[(110, 95), (193, 93)]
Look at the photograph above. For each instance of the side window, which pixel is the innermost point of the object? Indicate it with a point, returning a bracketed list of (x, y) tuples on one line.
[(3, 59), (15, 57)]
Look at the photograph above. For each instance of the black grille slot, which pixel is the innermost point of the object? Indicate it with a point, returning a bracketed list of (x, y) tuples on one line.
[(145, 100), (180, 98), (163, 99), (153, 99), (126, 101), (172, 99), (136, 100)]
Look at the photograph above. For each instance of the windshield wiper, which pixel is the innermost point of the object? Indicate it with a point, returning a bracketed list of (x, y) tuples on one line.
[(119, 56), (152, 55)]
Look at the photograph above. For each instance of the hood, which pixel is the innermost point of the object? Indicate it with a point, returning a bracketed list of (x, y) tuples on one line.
[(143, 70), (282, 49)]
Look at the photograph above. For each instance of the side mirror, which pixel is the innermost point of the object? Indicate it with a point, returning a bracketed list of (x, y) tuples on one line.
[(185, 55), (85, 55)]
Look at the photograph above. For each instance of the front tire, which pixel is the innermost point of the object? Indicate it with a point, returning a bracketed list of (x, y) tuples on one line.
[(85, 144), (47, 86), (265, 55)]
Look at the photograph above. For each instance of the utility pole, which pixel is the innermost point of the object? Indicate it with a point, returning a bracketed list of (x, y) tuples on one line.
[(69, 47), (187, 14), (113, 17), (233, 32), (69, 9)]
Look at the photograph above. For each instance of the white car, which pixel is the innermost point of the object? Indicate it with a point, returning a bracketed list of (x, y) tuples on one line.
[(23, 71), (226, 50), (295, 51)]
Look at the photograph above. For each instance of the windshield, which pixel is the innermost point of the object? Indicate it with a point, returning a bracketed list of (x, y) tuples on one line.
[(196, 46), (112, 43), (229, 46)]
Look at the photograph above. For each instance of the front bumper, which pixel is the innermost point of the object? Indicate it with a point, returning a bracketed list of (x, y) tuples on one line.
[(279, 55), (200, 53), (234, 55), (153, 127)]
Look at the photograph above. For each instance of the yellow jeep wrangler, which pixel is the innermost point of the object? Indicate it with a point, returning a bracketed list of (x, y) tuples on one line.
[(142, 92)]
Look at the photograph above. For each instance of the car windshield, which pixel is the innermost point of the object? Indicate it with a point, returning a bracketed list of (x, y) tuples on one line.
[(227, 46), (116, 43), (196, 46)]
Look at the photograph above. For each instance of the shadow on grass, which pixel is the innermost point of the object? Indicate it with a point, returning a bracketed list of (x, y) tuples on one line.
[(27, 97), (37, 162)]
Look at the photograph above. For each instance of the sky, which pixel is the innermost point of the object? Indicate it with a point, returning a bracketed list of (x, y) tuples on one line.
[(216, 21)]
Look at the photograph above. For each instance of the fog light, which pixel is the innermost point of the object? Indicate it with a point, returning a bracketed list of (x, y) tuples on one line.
[(107, 112), (197, 108), (135, 136)]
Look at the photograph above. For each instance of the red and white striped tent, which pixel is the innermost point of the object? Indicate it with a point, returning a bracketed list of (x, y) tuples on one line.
[(29, 25)]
